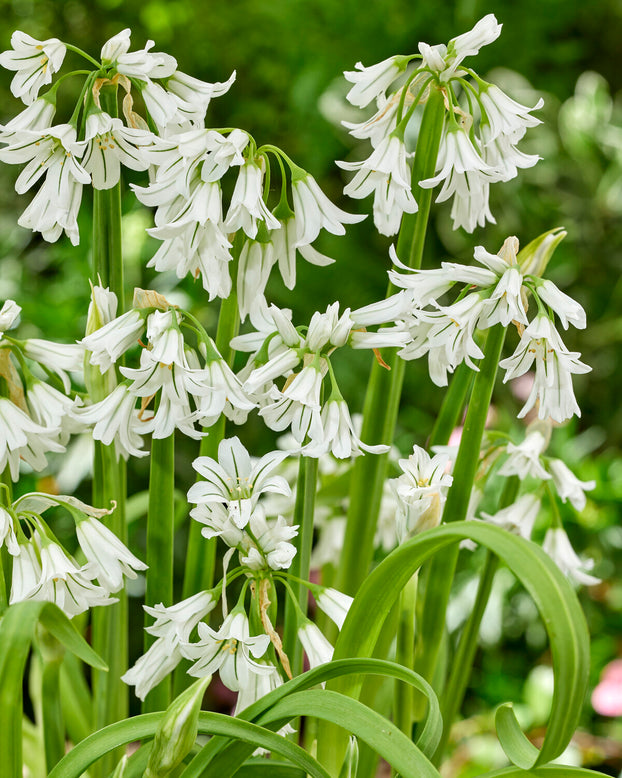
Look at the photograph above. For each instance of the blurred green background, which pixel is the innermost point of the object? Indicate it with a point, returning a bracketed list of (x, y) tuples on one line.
[(289, 56)]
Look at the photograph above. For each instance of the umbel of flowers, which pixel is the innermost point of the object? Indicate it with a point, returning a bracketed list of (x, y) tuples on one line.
[(154, 370)]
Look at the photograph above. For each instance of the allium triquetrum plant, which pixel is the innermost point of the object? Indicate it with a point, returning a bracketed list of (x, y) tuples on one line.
[(147, 371)]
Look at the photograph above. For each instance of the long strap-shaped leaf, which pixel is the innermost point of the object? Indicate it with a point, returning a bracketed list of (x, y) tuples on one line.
[(100, 743), (550, 771), (552, 593), (17, 631), (237, 752)]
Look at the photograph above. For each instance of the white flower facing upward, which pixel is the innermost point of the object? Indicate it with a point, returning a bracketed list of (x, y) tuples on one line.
[(235, 481), (34, 63), (558, 547), (231, 651), (421, 491)]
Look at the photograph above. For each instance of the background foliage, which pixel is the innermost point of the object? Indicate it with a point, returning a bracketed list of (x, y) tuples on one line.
[(289, 56)]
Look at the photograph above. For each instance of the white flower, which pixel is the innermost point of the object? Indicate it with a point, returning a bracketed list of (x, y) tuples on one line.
[(8, 315), (225, 391), (141, 64), (485, 31), (504, 115), (37, 116), (385, 173), (519, 517), (421, 491), (109, 342), (317, 648), (52, 408), (7, 533), (115, 46), (524, 458), (231, 651), (303, 419), (338, 434), (247, 204), (109, 144), (256, 261), (193, 96), (218, 523), (568, 310), (110, 559), (26, 572), (115, 421), (372, 82), (172, 627), (234, 481), (314, 211), (269, 546), (568, 486), (35, 62), (257, 686), (64, 583), (381, 124), (306, 385), (465, 175), (23, 439), (554, 368), (333, 603), (284, 242), (557, 546)]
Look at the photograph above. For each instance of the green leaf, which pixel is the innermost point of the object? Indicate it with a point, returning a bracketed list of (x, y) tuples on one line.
[(17, 630), (238, 752), (100, 743), (554, 596), (550, 771)]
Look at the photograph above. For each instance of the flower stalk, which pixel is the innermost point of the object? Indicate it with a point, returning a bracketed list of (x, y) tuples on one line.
[(385, 386)]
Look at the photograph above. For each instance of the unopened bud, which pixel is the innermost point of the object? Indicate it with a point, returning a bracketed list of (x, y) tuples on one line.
[(534, 258), (177, 731)]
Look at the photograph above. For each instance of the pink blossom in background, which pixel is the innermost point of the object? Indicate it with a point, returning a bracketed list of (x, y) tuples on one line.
[(607, 696)]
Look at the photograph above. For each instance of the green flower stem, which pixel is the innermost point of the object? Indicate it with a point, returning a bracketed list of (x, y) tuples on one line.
[(385, 387), (160, 532), (201, 553), (110, 623), (462, 662), (452, 406), (300, 567), (405, 655), (442, 568), (6, 498)]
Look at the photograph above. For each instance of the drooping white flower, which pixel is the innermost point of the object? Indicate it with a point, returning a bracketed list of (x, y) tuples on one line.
[(7, 533), (524, 458), (314, 211), (60, 358), (193, 96), (21, 438), (568, 310), (231, 651), (225, 390), (385, 173), (143, 64), (506, 116), (109, 558), (421, 491), (64, 583), (333, 603), (557, 546), (52, 408), (34, 61), (109, 342), (235, 481), (317, 648), (465, 176), (37, 116), (256, 261), (8, 315), (338, 435), (519, 517), (485, 31), (172, 628), (568, 486), (247, 204), (25, 572), (555, 366), (381, 124), (372, 82)]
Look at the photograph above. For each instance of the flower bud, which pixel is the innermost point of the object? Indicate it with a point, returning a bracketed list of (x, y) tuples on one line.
[(177, 731), (534, 258)]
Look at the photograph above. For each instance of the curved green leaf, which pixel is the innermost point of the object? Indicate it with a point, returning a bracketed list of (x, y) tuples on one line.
[(122, 732), (554, 596), (17, 630), (550, 771), (238, 752)]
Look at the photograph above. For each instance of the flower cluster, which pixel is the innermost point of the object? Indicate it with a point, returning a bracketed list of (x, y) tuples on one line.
[(43, 570), (478, 146), (35, 417), (279, 350), (493, 294)]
